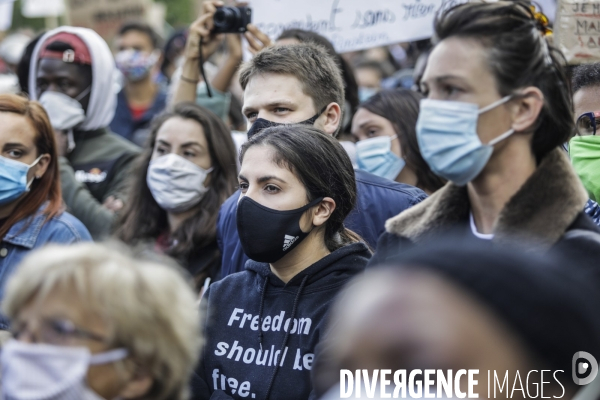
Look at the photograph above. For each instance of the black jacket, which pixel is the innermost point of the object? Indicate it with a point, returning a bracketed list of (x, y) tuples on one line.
[(546, 213), (292, 319)]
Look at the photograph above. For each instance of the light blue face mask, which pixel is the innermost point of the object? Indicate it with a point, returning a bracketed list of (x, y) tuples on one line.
[(13, 179), (219, 102), (448, 141), (375, 155), (365, 93)]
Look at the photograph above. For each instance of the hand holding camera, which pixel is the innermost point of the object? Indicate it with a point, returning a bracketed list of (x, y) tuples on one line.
[(257, 40), (202, 28), (231, 19), (206, 34)]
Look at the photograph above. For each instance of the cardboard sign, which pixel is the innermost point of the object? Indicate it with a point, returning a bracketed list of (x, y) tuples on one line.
[(6, 13), (42, 8), (350, 24), (106, 16), (577, 30)]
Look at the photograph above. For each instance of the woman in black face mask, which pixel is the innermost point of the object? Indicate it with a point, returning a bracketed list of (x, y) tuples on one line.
[(262, 325)]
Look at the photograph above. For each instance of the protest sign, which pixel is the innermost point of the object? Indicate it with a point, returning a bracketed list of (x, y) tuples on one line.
[(350, 24), (42, 8), (106, 16), (6, 13), (577, 30)]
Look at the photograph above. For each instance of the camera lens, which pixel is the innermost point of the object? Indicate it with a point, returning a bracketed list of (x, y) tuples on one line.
[(226, 17)]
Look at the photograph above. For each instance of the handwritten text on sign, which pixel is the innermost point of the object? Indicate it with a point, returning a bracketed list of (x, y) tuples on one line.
[(350, 24), (578, 30)]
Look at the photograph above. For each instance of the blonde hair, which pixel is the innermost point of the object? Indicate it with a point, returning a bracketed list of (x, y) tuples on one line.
[(149, 307)]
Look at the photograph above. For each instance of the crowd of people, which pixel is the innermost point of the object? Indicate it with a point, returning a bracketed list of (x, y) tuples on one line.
[(177, 223)]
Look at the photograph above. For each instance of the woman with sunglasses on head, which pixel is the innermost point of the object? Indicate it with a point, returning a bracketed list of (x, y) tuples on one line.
[(263, 324), (31, 208), (497, 111)]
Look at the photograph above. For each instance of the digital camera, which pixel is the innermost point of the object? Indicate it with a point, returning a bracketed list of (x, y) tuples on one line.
[(232, 19)]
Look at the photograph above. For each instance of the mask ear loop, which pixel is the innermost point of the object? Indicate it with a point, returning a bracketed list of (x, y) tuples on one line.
[(494, 104), (208, 91), (501, 137), (31, 166), (109, 356), (310, 205), (83, 93), (70, 141), (70, 137)]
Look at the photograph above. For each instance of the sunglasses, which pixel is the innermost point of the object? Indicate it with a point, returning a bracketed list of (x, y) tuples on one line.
[(587, 122)]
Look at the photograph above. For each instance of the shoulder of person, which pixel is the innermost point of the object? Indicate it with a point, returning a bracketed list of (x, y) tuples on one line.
[(117, 142), (65, 227), (232, 283), (358, 249), (389, 247), (583, 227), (229, 207), (390, 187)]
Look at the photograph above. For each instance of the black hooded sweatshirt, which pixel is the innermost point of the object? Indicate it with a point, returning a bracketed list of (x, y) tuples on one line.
[(292, 319)]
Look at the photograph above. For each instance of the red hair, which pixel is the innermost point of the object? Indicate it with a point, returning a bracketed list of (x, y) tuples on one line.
[(47, 188)]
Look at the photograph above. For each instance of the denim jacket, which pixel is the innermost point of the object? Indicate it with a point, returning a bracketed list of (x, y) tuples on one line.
[(32, 233)]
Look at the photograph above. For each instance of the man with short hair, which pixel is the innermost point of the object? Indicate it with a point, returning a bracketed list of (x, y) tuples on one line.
[(584, 148), (302, 84), (141, 98)]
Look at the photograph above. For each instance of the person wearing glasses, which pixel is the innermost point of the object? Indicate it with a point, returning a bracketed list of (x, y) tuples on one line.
[(493, 124), (584, 147), (90, 323)]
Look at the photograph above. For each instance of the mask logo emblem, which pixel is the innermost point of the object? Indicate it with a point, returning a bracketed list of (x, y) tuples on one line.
[(289, 240)]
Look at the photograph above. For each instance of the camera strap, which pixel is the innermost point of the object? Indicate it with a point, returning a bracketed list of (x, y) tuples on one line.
[(208, 91)]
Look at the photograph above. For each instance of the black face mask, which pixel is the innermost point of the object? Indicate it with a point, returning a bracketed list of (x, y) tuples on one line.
[(261, 124), (266, 234)]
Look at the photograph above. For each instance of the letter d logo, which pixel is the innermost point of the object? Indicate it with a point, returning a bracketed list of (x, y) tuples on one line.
[(591, 365)]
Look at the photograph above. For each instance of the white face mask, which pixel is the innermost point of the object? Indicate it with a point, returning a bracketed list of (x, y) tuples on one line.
[(64, 112), (48, 372), (176, 183)]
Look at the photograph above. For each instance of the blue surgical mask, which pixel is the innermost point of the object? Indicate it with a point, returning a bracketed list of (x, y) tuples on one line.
[(365, 93), (219, 102), (375, 155), (448, 141), (13, 179)]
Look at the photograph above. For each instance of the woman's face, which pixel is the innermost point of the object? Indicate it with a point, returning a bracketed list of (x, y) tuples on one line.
[(458, 70), (61, 320), (271, 185), (184, 137), (366, 125), (17, 142)]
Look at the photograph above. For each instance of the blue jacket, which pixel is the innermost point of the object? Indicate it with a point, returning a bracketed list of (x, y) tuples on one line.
[(32, 233), (137, 130), (378, 200)]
